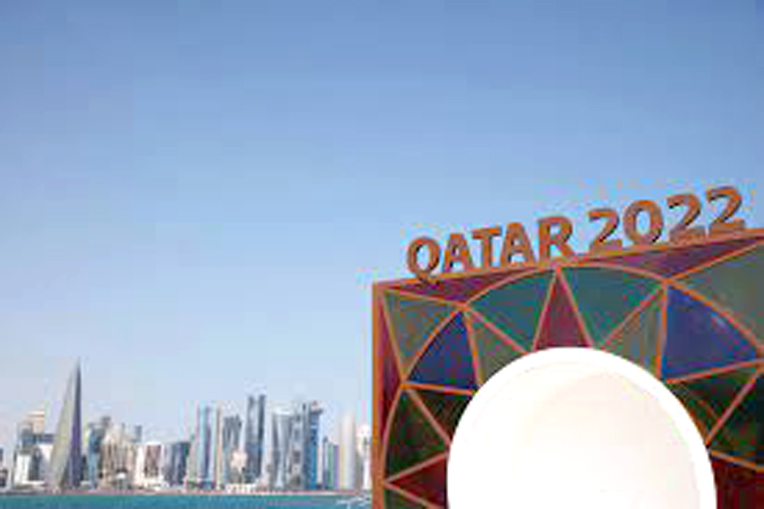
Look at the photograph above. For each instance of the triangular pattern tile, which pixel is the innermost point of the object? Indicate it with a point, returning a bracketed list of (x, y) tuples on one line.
[(515, 307), (394, 500), (737, 285), (560, 327), (412, 438), (671, 262), (446, 408), (448, 359), (707, 398), (429, 483), (413, 320), (458, 289), (742, 435), (606, 296), (493, 352), (699, 339), (638, 339), (390, 377)]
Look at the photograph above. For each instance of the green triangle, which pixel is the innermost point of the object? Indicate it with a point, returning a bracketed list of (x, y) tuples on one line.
[(606, 296), (395, 501), (638, 339), (413, 320), (412, 438), (702, 415), (738, 285), (493, 352), (515, 307), (446, 408), (742, 436)]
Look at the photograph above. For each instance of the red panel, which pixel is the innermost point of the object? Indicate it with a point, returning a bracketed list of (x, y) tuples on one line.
[(670, 262), (428, 483), (461, 289), (736, 486), (560, 327), (390, 379)]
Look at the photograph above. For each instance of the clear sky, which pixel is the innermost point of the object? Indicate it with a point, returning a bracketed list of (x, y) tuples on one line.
[(196, 196)]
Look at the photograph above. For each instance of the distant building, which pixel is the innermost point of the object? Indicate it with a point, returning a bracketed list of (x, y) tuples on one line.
[(231, 435), (348, 454), (254, 437), (118, 454), (201, 461), (177, 463), (281, 431), (148, 466), (94, 436), (66, 461), (1, 456), (3, 478), (363, 472), (329, 464), (310, 416)]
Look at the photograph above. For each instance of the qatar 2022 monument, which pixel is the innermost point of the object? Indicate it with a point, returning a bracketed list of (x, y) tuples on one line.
[(679, 305)]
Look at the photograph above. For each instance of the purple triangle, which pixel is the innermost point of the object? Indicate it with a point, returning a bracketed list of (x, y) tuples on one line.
[(448, 359), (698, 338), (673, 261)]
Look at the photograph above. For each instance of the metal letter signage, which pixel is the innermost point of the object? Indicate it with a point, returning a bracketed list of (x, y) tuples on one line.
[(643, 225)]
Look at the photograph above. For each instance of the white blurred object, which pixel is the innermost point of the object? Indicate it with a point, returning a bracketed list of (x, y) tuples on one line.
[(576, 427)]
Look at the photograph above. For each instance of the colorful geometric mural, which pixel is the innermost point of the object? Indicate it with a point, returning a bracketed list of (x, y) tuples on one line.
[(693, 315)]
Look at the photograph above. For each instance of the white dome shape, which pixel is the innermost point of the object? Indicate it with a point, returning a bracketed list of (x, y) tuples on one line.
[(577, 427)]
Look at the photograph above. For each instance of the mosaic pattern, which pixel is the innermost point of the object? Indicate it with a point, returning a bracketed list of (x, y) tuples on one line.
[(691, 315)]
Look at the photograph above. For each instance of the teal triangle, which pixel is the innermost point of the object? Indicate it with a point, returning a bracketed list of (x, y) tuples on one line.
[(606, 296), (412, 321), (737, 284), (515, 307)]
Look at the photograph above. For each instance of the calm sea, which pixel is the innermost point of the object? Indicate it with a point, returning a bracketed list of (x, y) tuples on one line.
[(180, 501)]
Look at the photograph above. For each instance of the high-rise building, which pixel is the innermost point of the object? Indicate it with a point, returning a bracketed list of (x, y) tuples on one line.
[(66, 460), (148, 466), (218, 460), (347, 454), (31, 457), (1, 457), (329, 464), (177, 463), (201, 468), (281, 430), (231, 434), (118, 458), (95, 433), (254, 437), (310, 416), (363, 465)]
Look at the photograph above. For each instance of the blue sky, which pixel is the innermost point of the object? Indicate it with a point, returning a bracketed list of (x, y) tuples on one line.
[(196, 198)]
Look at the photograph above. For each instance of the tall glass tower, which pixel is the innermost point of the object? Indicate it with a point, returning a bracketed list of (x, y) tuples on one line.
[(254, 435), (66, 459)]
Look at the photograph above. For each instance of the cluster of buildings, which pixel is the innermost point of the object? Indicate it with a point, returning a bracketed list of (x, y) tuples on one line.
[(223, 453)]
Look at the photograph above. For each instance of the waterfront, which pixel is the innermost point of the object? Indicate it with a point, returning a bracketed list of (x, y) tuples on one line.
[(182, 501)]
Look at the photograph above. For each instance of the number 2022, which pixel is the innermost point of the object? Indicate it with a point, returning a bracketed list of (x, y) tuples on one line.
[(684, 230)]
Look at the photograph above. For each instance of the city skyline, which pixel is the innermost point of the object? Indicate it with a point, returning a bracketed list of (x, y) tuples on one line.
[(217, 456)]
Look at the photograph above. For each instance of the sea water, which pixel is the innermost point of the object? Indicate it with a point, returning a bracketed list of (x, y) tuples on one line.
[(182, 501)]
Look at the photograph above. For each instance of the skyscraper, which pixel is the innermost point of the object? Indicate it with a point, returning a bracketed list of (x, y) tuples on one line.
[(95, 434), (348, 454), (311, 414), (363, 442), (281, 431), (66, 460), (329, 464), (254, 434), (202, 447), (231, 440), (176, 465)]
